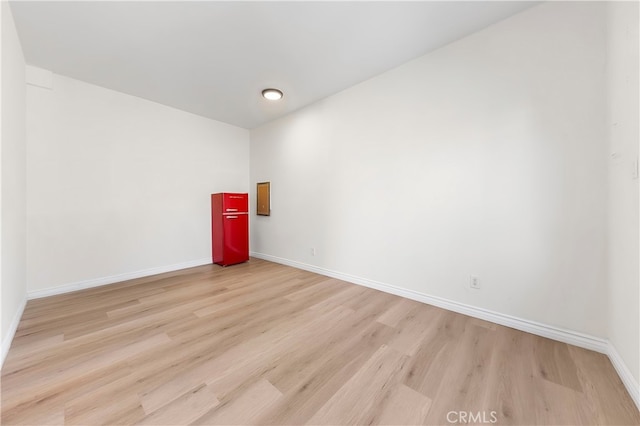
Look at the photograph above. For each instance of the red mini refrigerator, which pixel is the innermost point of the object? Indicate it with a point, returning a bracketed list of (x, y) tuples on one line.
[(229, 228)]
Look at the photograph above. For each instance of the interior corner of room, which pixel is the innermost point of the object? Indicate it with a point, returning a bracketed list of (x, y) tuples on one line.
[(495, 176)]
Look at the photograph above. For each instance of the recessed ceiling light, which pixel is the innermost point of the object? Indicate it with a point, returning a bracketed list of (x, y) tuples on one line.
[(272, 94)]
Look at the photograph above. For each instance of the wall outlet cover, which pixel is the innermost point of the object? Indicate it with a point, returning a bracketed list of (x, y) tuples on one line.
[(474, 282)]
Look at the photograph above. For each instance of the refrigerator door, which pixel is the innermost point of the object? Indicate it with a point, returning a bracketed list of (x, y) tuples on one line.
[(236, 238), (235, 203)]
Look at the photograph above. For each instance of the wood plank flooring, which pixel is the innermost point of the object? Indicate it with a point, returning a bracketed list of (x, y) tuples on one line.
[(261, 343)]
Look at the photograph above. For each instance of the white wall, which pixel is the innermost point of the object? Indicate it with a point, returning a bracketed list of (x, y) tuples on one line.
[(118, 184), (624, 136), (485, 157), (12, 180)]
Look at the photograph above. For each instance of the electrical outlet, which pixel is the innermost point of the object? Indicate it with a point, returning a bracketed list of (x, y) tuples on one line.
[(313, 251), (474, 282)]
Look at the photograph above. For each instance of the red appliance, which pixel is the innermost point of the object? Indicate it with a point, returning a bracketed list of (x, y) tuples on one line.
[(230, 228)]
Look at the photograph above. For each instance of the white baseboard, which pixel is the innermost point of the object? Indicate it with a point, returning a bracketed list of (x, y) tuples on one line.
[(97, 282), (555, 333), (13, 327), (633, 387)]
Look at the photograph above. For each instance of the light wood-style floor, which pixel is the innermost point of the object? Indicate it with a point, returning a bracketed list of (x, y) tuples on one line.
[(261, 343)]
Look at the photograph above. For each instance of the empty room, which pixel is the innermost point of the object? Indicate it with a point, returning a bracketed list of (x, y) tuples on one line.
[(323, 213)]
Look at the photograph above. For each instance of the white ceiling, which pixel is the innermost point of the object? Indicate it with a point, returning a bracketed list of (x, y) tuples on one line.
[(214, 58)]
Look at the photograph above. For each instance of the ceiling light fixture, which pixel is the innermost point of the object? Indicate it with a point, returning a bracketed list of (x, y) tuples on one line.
[(272, 94)]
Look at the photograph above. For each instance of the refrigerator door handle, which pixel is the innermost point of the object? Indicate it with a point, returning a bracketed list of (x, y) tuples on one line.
[(231, 217), (232, 210)]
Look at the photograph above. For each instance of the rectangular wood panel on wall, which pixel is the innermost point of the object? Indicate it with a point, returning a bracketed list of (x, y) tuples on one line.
[(264, 199)]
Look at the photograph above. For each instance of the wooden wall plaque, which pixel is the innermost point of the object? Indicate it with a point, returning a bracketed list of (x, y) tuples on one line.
[(264, 199)]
